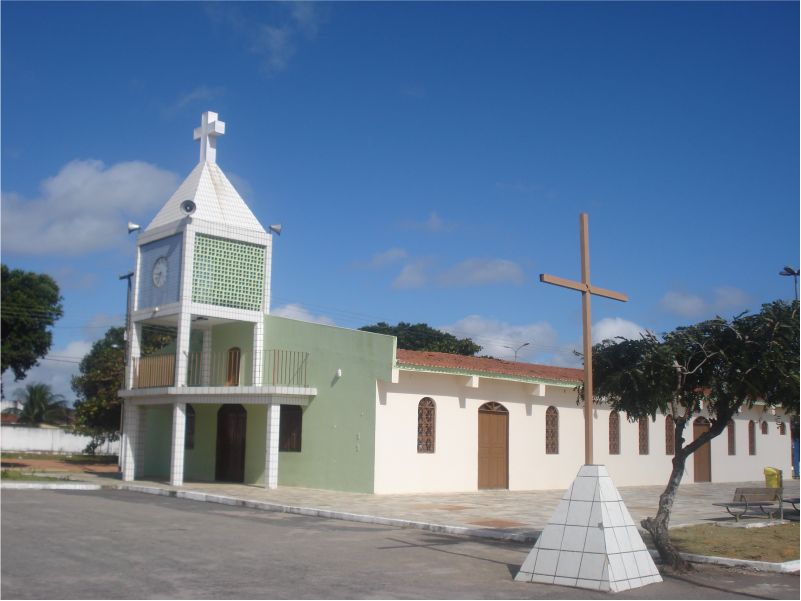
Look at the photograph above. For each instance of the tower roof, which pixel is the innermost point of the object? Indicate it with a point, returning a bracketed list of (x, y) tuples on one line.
[(216, 200)]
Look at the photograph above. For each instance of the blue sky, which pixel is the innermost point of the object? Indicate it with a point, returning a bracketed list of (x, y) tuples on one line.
[(427, 161)]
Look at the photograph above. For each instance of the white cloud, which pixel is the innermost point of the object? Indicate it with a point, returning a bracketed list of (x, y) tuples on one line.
[(299, 312), (387, 257), (276, 41), (55, 370), (495, 336), (729, 298), (479, 272), (612, 327), (84, 207), (202, 92), (412, 275), (686, 305), (725, 299), (434, 223)]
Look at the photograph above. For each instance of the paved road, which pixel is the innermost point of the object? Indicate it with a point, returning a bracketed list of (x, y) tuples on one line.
[(118, 544)]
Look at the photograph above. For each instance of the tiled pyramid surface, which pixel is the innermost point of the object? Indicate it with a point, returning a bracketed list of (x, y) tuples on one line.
[(591, 541), (216, 198)]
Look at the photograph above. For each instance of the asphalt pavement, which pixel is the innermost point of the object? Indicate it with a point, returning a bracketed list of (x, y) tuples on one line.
[(122, 545)]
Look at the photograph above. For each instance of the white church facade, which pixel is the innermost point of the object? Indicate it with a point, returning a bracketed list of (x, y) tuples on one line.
[(240, 395)]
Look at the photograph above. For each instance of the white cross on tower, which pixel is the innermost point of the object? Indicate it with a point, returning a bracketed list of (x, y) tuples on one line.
[(207, 133)]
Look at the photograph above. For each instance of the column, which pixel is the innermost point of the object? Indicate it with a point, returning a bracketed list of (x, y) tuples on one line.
[(258, 353), (182, 348), (128, 443), (134, 352), (205, 367), (271, 459), (177, 446)]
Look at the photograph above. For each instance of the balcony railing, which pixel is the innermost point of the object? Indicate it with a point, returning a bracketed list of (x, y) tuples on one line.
[(153, 371), (230, 368)]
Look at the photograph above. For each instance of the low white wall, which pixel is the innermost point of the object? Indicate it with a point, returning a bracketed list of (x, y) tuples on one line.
[(453, 467), (50, 440)]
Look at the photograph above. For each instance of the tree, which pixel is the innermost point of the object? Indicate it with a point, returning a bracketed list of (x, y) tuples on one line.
[(720, 364), (101, 374), (39, 406), (31, 305), (421, 337)]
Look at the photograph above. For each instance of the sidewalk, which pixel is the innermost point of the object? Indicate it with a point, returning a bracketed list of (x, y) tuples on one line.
[(516, 514)]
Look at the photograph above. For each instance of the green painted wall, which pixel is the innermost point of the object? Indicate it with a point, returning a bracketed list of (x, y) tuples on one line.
[(158, 434), (225, 337), (255, 444), (338, 437), (199, 462)]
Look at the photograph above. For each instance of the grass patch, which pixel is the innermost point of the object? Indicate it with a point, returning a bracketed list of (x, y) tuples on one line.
[(771, 543), (23, 476), (75, 459)]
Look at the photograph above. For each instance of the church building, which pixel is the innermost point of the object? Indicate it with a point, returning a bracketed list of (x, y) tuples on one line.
[(241, 395)]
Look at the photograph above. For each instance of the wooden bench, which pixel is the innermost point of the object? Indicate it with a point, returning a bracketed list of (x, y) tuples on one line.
[(754, 498)]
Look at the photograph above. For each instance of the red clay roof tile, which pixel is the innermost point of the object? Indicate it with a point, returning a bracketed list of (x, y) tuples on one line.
[(482, 364)]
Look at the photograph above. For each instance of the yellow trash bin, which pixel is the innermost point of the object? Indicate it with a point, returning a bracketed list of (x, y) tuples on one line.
[(773, 477)]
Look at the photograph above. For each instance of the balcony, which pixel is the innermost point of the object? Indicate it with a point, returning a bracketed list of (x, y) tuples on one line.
[(231, 368)]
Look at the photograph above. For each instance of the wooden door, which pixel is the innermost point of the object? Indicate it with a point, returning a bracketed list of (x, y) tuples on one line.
[(493, 446), (231, 428), (702, 458)]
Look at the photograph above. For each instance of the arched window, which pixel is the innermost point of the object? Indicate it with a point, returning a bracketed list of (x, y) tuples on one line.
[(551, 431), (670, 436), (234, 356), (426, 425), (782, 429), (614, 433), (732, 439), (643, 435), (764, 427), (751, 437), (189, 428)]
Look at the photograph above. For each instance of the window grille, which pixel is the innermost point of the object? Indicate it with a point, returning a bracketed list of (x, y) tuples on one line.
[(614, 433), (289, 435), (551, 431), (643, 436), (426, 425), (732, 439), (751, 437), (670, 436)]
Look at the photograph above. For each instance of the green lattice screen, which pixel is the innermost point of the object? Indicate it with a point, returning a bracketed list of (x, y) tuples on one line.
[(227, 273)]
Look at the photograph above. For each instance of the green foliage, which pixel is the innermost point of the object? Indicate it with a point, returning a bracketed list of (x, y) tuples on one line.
[(102, 371), (725, 363), (31, 305), (421, 337), (39, 406)]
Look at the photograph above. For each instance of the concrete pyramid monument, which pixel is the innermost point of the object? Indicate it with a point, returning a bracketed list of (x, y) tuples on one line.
[(591, 540)]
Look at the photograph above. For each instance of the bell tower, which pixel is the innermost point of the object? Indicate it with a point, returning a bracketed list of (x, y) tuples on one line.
[(202, 262)]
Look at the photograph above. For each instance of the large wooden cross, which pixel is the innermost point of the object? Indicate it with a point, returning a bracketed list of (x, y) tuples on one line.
[(586, 290)]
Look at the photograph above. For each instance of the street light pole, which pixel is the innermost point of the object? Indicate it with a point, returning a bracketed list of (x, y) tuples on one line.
[(516, 350), (789, 271)]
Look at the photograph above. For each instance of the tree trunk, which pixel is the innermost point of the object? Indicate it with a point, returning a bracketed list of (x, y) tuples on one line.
[(658, 526)]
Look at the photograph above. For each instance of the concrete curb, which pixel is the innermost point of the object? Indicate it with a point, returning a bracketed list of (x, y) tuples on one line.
[(488, 533), (333, 514), (49, 486)]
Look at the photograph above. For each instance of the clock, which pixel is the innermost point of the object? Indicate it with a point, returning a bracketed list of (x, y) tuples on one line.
[(160, 272)]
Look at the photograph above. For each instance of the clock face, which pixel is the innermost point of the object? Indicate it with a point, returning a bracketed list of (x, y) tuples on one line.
[(160, 272)]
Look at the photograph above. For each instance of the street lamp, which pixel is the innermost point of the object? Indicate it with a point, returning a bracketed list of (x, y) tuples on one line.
[(516, 350), (789, 271)]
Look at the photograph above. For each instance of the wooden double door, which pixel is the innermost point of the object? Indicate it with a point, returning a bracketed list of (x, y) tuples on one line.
[(231, 429), (702, 458), (493, 446)]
